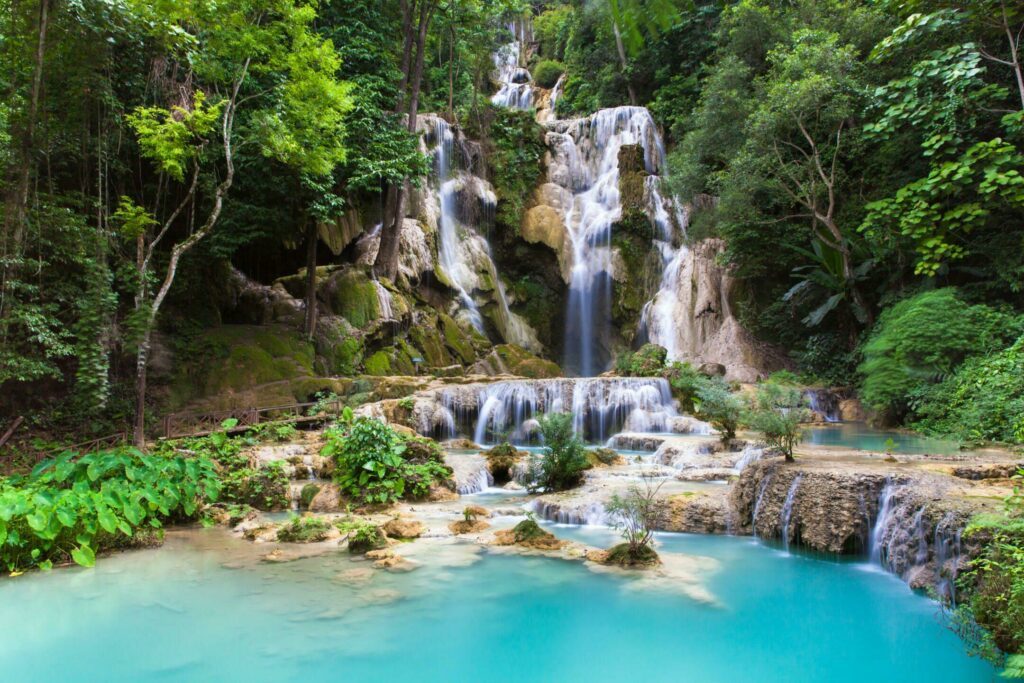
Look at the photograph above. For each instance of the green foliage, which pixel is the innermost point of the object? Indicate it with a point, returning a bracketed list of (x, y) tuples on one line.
[(716, 404), (776, 411), (74, 506), (264, 487), (919, 341), (362, 535), (637, 515), (171, 139), (517, 160), (304, 529), (564, 460), (547, 72), (982, 400), (647, 361), (376, 466), (992, 590)]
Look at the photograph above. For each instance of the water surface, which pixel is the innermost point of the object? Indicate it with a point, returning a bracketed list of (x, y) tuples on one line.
[(201, 609)]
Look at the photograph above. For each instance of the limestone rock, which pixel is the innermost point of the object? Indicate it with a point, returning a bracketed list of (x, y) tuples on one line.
[(399, 527), (464, 526), (328, 499)]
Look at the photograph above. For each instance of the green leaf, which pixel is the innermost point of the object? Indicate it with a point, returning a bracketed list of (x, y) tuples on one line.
[(107, 520), (84, 556)]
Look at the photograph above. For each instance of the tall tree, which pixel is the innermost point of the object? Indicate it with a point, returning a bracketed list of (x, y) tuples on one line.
[(416, 16), (260, 56)]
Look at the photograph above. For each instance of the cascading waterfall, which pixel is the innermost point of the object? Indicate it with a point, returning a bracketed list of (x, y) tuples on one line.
[(757, 503), (449, 253), (458, 250), (824, 403), (787, 510), (590, 148), (516, 84), (882, 523), (660, 316), (600, 407), (947, 557)]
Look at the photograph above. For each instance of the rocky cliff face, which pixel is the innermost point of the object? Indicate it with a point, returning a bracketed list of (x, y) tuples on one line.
[(907, 520)]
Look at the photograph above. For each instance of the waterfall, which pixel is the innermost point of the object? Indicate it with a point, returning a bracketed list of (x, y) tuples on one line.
[(787, 510), (947, 558), (600, 407), (515, 83), (589, 150), (384, 301), (591, 514), (660, 316), (824, 403), (751, 454), (882, 522), (757, 502), (462, 252), (451, 256)]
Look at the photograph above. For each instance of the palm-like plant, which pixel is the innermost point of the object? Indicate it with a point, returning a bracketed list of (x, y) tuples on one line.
[(823, 278)]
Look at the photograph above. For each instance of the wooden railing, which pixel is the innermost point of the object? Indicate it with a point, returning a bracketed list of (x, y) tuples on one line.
[(178, 425)]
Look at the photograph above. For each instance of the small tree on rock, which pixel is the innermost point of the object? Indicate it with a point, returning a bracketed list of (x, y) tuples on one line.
[(637, 514)]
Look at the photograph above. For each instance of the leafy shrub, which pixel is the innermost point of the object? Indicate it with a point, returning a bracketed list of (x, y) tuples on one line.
[(776, 411), (307, 529), (562, 465), (547, 72), (264, 488), (376, 466), (982, 401), (363, 535), (637, 515), (921, 340), (647, 361), (72, 507), (992, 588), (719, 406), (685, 381), (307, 494)]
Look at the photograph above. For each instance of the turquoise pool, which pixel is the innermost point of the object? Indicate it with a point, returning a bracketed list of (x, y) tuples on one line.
[(860, 436), (203, 608)]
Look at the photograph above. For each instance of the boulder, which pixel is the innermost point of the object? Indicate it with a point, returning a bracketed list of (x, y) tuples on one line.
[(399, 527), (327, 499)]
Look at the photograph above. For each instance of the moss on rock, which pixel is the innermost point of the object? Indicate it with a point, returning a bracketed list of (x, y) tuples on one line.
[(352, 294), (639, 558)]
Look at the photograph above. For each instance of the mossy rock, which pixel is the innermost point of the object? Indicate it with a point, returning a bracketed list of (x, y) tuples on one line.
[(352, 294), (631, 159), (634, 285), (640, 558), (232, 359), (603, 457), (307, 494), (378, 364), (518, 361), (529, 534), (339, 347), (648, 361), (500, 461), (429, 339), (304, 530), (366, 540), (457, 340)]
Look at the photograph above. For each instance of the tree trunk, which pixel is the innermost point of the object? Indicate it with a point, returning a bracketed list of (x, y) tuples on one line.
[(142, 358), (386, 263), (141, 361), (17, 204), (621, 49), (311, 244)]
